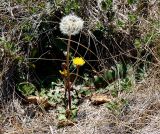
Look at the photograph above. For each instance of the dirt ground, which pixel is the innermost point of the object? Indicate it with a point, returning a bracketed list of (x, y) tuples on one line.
[(141, 116)]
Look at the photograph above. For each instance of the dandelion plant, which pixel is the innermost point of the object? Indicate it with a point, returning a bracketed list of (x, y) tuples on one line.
[(70, 25)]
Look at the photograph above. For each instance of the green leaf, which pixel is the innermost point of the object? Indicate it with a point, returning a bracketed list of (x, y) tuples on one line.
[(112, 105), (75, 101), (114, 93), (137, 43), (74, 113), (106, 4), (132, 17), (62, 117), (61, 110), (98, 79), (26, 88), (85, 92), (132, 1), (49, 94), (108, 75), (120, 23)]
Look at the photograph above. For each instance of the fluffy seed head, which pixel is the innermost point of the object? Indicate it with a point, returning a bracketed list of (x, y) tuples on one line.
[(71, 24)]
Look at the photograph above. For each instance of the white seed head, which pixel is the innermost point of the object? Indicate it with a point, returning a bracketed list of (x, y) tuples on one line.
[(71, 24)]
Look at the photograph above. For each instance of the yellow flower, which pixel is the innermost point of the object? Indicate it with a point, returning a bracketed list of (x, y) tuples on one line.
[(78, 61), (64, 72)]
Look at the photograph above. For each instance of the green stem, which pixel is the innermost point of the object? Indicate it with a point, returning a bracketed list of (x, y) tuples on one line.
[(65, 94), (76, 76), (68, 72), (76, 80)]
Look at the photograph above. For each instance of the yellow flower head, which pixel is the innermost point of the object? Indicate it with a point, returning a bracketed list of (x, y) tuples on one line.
[(78, 61), (64, 72)]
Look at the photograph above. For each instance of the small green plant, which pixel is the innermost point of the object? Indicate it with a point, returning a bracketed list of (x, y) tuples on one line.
[(131, 1), (108, 76), (26, 88), (71, 5), (116, 80), (127, 83), (65, 117), (116, 107), (9, 46), (53, 96), (121, 85), (105, 5), (84, 92)]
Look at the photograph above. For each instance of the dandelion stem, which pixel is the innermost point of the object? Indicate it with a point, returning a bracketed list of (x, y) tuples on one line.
[(65, 94), (68, 73), (76, 80), (76, 76)]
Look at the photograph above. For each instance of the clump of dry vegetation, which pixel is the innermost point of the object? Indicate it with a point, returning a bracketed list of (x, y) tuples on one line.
[(116, 91)]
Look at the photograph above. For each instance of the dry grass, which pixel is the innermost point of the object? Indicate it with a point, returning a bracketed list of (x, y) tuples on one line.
[(141, 116)]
